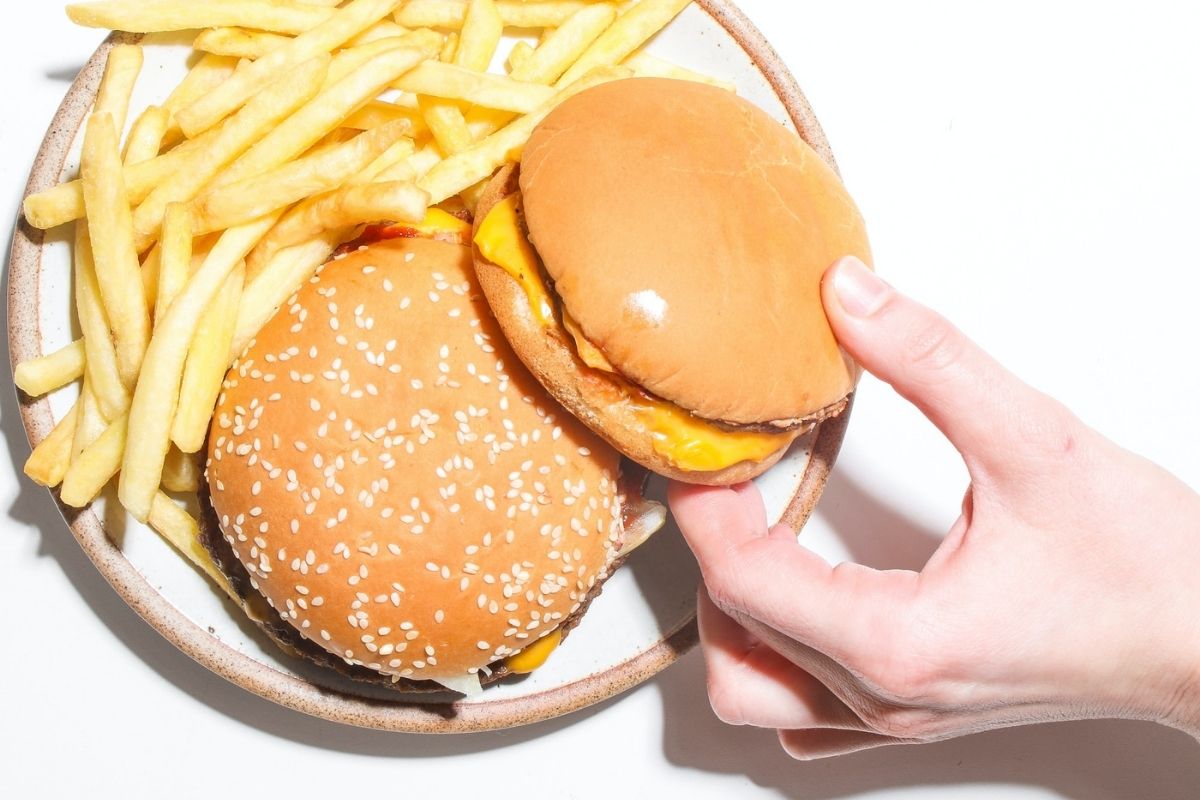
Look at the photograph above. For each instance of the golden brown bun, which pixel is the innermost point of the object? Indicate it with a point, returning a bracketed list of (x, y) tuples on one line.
[(687, 232), (591, 395), (397, 486)]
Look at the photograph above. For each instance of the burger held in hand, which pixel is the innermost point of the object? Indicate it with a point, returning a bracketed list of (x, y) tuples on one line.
[(412, 505), (656, 260)]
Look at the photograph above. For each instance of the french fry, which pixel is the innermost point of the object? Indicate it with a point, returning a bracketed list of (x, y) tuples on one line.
[(340, 25), (352, 59), (384, 29), (111, 229), (236, 203), (321, 115), (146, 136), (558, 51), (95, 465), (514, 13), (249, 125), (175, 255), (449, 48), (181, 472), (210, 71), (120, 74), (381, 112), (157, 393), (424, 160), (238, 42), (481, 32), (90, 422), (49, 460), (346, 207), (484, 89), (446, 123), (207, 361), (103, 377), (37, 376), (394, 157), (631, 30), (64, 203), (645, 65), (464, 169), (155, 16), (282, 276), (181, 530), (521, 51)]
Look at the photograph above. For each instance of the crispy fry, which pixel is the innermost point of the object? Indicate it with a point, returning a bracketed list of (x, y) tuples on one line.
[(175, 256), (319, 116), (153, 16), (483, 89), (462, 170), (238, 42), (514, 13), (207, 361), (645, 65), (520, 53), (64, 203), (380, 112), (181, 472), (481, 32), (631, 30), (90, 423), (120, 74), (249, 125), (447, 124), (449, 48), (95, 465), (341, 25), (237, 203), (49, 460), (37, 376), (353, 58), (178, 527), (101, 358), (111, 230), (157, 393), (146, 135), (384, 29), (276, 282)]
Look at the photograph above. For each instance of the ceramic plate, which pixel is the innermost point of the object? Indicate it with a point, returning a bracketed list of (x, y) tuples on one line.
[(643, 621)]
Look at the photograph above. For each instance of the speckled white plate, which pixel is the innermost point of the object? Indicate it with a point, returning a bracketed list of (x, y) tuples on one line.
[(643, 621)]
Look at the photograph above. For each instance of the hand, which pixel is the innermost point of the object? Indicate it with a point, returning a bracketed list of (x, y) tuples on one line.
[(1069, 587)]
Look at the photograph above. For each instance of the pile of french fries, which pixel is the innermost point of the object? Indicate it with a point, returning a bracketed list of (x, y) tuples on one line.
[(299, 123)]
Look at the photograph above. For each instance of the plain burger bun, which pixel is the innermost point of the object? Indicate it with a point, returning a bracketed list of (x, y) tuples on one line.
[(552, 357), (686, 233), (399, 489)]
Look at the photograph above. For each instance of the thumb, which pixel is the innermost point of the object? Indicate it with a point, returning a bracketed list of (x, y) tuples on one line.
[(986, 412)]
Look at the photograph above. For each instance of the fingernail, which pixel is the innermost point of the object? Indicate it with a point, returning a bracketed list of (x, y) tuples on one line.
[(860, 291)]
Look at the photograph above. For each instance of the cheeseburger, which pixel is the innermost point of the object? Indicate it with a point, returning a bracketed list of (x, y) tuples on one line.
[(656, 260), (406, 498)]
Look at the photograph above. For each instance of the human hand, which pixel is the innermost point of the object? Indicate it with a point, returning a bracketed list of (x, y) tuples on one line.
[(1067, 589)]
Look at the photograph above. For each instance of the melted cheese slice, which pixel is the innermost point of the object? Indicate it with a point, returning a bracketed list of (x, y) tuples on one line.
[(535, 655), (686, 441)]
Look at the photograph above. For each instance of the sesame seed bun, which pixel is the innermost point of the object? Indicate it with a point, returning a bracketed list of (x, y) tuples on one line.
[(589, 394), (686, 231), (398, 488)]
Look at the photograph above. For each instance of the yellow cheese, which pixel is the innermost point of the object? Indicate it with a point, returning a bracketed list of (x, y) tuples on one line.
[(697, 445), (688, 442), (535, 655), (500, 241), (438, 221), (588, 352)]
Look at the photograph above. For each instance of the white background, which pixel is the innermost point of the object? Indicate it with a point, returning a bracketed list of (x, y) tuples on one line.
[(1030, 169)]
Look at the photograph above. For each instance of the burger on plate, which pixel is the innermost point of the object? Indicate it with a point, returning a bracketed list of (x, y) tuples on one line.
[(407, 499), (655, 261)]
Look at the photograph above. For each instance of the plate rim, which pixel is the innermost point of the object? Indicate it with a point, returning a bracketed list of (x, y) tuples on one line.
[(25, 341)]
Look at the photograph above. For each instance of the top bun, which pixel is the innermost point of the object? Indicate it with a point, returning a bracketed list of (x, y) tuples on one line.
[(687, 232), (397, 486)]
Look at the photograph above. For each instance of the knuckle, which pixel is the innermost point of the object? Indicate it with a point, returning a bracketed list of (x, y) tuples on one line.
[(933, 344), (1047, 431)]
